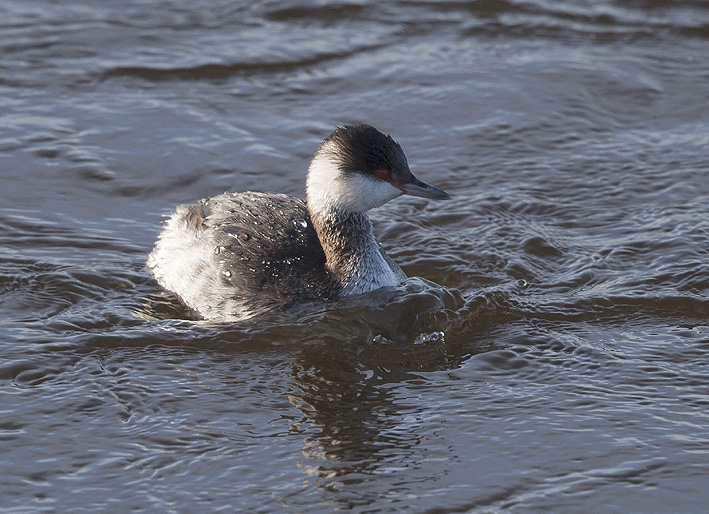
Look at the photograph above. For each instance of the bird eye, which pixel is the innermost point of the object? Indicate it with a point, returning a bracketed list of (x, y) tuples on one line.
[(382, 174)]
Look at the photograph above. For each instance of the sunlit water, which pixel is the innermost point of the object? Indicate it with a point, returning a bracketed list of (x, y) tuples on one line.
[(553, 356)]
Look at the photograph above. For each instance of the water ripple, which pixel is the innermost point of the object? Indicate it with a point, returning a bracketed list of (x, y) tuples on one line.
[(551, 359)]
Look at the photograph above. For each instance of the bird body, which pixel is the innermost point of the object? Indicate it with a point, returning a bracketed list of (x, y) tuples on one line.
[(235, 255)]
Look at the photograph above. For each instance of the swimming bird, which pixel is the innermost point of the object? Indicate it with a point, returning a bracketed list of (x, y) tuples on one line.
[(235, 255)]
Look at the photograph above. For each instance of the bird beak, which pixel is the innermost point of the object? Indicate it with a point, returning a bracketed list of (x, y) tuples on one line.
[(419, 188)]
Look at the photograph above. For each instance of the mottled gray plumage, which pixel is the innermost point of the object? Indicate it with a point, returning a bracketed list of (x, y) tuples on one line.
[(263, 242)]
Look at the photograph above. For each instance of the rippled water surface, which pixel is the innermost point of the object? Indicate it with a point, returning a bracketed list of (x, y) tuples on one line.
[(554, 354)]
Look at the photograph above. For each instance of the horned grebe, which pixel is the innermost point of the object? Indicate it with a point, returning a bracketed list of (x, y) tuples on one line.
[(236, 255)]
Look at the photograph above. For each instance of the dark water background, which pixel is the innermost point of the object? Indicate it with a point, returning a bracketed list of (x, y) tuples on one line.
[(562, 365)]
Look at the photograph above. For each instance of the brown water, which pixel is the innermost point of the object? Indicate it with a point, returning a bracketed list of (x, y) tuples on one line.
[(561, 364)]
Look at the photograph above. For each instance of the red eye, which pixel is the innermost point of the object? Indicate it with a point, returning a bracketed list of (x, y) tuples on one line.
[(382, 174)]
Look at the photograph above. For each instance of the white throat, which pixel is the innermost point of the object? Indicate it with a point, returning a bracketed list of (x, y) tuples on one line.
[(328, 188)]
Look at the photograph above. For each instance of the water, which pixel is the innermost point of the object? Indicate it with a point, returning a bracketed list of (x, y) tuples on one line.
[(560, 364)]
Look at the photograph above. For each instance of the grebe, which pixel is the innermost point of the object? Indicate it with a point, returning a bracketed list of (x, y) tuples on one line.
[(236, 255)]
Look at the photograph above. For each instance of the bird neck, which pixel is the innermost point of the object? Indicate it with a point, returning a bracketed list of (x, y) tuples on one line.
[(353, 255)]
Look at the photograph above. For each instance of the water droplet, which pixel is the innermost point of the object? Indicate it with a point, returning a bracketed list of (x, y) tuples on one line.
[(218, 250), (300, 223), (227, 274), (430, 337)]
